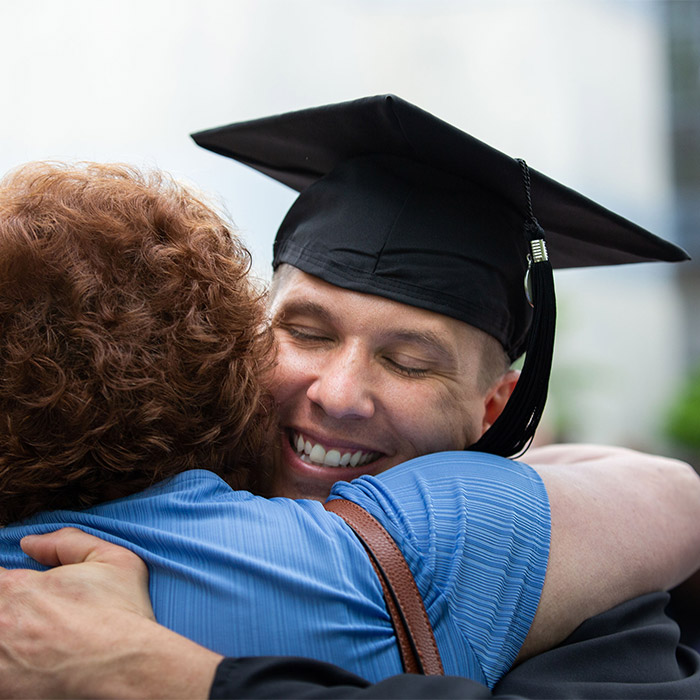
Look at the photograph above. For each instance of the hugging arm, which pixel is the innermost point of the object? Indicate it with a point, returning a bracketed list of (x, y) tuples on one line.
[(623, 524), (86, 629)]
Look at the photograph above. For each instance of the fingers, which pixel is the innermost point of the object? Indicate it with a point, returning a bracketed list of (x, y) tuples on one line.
[(72, 546), (107, 575)]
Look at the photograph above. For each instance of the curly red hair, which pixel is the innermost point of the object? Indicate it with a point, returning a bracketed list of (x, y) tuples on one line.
[(132, 340)]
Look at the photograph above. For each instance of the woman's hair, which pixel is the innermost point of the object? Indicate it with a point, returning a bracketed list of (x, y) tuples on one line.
[(132, 341)]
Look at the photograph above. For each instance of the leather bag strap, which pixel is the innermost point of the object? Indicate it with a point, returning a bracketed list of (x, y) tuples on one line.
[(419, 652)]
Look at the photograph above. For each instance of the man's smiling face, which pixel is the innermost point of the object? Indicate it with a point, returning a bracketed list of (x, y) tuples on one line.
[(364, 383)]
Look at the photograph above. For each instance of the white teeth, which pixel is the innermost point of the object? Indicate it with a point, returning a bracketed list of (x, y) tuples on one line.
[(332, 458), (317, 454)]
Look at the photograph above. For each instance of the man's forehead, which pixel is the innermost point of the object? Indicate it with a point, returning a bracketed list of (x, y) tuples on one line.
[(295, 291), (294, 287)]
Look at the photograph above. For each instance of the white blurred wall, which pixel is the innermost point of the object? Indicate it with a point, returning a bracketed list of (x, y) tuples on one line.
[(577, 87)]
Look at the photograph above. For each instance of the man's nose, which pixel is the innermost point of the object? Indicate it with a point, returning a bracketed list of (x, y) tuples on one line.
[(342, 387)]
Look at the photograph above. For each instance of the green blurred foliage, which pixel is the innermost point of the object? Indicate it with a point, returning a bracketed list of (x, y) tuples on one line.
[(683, 424)]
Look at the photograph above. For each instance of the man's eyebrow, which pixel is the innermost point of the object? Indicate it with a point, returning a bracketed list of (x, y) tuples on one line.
[(303, 307)]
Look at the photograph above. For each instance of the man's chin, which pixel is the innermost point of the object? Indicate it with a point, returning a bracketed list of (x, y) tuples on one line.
[(287, 486)]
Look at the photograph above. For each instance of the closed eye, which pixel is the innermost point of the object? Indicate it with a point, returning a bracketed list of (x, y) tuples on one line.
[(306, 334), (415, 372)]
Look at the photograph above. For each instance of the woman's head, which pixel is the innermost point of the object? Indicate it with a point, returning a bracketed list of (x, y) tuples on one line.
[(131, 341)]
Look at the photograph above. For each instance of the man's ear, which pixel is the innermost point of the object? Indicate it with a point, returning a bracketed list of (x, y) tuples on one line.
[(497, 398)]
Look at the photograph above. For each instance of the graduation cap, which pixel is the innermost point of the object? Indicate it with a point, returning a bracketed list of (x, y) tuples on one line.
[(398, 203)]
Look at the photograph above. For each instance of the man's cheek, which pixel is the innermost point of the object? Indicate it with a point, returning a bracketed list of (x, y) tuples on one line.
[(282, 378)]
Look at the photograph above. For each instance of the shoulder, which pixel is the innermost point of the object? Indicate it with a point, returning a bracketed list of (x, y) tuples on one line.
[(475, 531), (446, 484)]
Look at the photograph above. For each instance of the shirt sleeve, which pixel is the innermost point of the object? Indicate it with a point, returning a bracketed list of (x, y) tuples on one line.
[(475, 531)]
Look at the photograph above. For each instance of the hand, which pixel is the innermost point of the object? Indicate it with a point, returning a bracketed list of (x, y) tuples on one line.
[(86, 628), (109, 576)]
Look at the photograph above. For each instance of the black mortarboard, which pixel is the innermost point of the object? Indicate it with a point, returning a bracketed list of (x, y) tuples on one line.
[(398, 203)]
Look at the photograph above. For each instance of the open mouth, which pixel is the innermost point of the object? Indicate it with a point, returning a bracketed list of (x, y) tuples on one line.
[(315, 453)]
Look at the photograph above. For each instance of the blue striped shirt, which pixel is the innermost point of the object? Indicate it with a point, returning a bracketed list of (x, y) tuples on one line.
[(247, 576)]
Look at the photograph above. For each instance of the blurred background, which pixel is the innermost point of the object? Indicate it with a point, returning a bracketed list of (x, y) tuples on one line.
[(603, 95)]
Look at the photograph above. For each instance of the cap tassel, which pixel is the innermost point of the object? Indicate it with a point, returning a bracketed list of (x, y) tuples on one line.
[(513, 431)]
